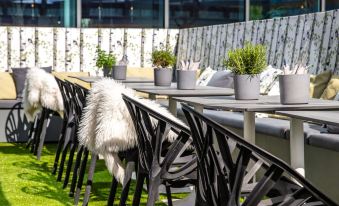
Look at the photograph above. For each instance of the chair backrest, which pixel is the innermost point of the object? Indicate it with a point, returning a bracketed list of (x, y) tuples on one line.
[(310, 38), (65, 97), (78, 98), (232, 170), (152, 130)]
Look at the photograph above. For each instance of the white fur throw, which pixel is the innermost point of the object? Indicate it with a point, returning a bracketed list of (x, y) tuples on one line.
[(41, 90), (106, 126)]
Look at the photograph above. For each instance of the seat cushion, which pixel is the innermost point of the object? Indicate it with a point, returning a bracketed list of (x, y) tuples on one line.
[(222, 78), (7, 86), (47, 69), (19, 76), (325, 140), (332, 88), (9, 104), (318, 83)]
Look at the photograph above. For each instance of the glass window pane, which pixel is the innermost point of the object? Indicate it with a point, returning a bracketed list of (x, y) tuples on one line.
[(37, 12), (122, 13), (332, 4), (192, 13), (265, 9)]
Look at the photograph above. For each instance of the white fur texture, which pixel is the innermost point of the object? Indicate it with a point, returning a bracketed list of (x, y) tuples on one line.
[(41, 90), (106, 126)]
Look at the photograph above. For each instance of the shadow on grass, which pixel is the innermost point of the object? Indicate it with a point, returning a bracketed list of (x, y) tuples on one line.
[(3, 199)]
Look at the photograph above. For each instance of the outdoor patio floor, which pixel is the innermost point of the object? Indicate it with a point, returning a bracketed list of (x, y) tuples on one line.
[(24, 181)]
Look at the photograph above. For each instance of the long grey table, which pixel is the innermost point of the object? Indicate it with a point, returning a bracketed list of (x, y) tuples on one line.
[(127, 80), (172, 92), (322, 117), (265, 104)]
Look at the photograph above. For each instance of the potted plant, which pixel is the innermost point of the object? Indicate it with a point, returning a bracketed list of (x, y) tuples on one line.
[(187, 75), (294, 85), (246, 64), (119, 71), (163, 60), (105, 61)]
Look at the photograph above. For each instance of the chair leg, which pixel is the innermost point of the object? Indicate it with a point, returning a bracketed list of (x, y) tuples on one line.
[(69, 163), (30, 134), (37, 133), (46, 120), (76, 170), (81, 177), (112, 192), (59, 147), (64, 153), (90, 179), (169, 196), (124, 194), (138, 189), (153, 190)]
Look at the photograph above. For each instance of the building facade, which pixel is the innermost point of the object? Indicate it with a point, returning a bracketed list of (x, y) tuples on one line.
[(150, 13)]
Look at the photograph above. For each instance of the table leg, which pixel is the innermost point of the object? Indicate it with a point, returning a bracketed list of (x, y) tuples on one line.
[(199, 108), (297, 145), (172, 106), (249, 126)]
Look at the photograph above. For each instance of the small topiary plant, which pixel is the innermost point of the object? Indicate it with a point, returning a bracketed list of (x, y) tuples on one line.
[(105, 60), (163, 58), (250, 60)]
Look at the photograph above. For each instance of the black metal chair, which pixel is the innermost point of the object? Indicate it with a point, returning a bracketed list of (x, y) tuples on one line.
[(157, 155), (235, 172)]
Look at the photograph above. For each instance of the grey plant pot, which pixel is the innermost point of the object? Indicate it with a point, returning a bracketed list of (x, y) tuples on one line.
[(246, 87), (186, 79), (162, 77), (106, 71), (119, 72), (294, 88)]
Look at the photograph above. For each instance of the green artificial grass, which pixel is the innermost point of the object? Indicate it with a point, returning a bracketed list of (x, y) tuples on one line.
[(25, 181)]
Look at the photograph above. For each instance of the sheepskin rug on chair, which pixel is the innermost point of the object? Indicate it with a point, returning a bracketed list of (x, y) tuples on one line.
[(41, 90), (106, 126)]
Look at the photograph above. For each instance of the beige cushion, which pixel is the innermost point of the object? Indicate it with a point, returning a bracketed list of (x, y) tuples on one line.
[(332, 88), (318, 83), (7, 86)]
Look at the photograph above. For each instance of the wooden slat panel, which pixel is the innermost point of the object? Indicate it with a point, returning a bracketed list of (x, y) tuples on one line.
[(44, 47), (199, 42), (334, 41), (222, 42), (275, 33), (316, 40), (72, 49), (249, 32), (235, 36), (3, 48), (172, 39), (27, 47), (268, 36), (229, 38), (59, 49), (184, 44), (281, 42), (214, 38), (190, 36), (241, 33), (203, 47), (193, 43), (260, 39), (306, 39), (147, 47), (133, 49), (207, 46), (89, 46), (290, 40), (298, 39), (325, 41), (117, 42), (255, 32)]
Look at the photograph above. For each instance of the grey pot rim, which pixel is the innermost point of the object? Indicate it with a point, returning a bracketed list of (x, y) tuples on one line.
[(160, 68)]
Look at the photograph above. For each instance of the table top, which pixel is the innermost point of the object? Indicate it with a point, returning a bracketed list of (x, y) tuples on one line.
[(322, 117), (264, 104), (127, 80), (172, 91)]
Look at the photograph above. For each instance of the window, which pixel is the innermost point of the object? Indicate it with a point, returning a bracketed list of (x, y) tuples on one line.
[(332, 4), (122, 13), (192, 13), (265, 9), (37, 13)]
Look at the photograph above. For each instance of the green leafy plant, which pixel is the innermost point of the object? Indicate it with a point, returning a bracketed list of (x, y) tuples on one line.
[(163, 58), (250, 60), (105, 60)]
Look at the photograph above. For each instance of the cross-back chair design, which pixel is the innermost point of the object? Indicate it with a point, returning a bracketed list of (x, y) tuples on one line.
[(235, 172), (156, 155)]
